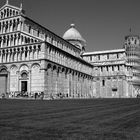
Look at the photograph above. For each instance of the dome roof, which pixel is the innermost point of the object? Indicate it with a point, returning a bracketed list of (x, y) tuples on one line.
[(73, 34)]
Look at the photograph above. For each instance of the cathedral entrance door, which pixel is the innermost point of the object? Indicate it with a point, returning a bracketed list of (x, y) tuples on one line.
[(3, 84), (24, 86), (3, 81)]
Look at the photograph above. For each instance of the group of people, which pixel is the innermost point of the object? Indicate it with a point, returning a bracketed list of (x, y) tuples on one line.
[(37, 95), (138, 95)]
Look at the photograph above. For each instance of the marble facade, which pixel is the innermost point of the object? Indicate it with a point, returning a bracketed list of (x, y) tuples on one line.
[(35, 60)]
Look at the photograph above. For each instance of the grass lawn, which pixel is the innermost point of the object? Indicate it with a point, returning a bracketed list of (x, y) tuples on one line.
[(96, 119)]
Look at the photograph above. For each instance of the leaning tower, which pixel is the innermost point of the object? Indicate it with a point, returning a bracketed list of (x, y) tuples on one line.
[(132, 47)]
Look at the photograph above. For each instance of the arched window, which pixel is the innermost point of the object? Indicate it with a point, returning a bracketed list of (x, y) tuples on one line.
[(28, 40), (38, 33), (107, 68), (107, 56), (103, 82), (98, 57), (118, 68), (4, 12), (7, 12), (90, 58), (13, 13), (112, 68)]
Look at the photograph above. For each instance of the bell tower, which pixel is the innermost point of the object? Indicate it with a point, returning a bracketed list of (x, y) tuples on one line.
[(132, 47)]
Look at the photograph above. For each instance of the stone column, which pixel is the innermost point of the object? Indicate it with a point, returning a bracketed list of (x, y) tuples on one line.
[(73, 82), (29, 90), (63, 81), (78, 85), (28, 54), (52, 82), (11, 25), (8, 82), (9, 43), (18, 84), (0, 57), (55, 81), (12, 40), (35, 54), (8, 56), (19, 39), (23, 54), (70, 84), (85, 93), (18, 25), (15, 56), (4, 28), (59, 81), (19, 55), (3, 57), (22, 26), (8, 26), (0, 28), (49, 78), (124, 86), (16, 40), (2, 42), (67, 83), (84, 90), (6, 39)]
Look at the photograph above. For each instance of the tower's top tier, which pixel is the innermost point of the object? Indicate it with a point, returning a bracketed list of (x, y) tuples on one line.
[(132, 40)]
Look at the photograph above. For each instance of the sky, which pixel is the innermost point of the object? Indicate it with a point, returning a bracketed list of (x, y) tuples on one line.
[(102, 23)]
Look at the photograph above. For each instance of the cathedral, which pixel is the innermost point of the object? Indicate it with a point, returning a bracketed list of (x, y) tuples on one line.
[(35, 62)]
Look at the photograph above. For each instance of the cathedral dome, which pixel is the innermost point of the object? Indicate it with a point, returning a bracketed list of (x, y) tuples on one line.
[(73, 34)]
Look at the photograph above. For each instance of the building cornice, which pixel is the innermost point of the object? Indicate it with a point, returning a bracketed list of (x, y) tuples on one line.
[(104, 52)]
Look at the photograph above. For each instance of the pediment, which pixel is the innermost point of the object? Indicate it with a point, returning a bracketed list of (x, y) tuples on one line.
[(8, 11)]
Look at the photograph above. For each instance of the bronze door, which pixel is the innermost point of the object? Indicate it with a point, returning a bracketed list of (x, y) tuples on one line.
[(23, 86), (3, 84)]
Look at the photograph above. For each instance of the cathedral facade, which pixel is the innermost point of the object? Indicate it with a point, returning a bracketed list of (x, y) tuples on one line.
[(36, 61)]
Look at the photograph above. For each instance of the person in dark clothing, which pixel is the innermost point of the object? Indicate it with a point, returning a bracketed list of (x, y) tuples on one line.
[(36, 94)]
